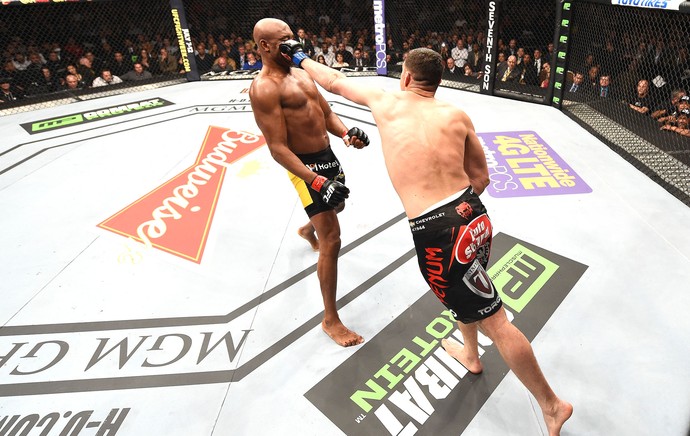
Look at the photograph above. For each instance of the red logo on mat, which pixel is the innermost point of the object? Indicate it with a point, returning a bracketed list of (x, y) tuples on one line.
[(176, 217)]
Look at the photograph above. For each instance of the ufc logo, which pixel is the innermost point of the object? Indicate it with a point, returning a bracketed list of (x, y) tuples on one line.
[(329, 191)]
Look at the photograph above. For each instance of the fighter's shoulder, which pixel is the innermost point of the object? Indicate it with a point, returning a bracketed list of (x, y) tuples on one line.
[(264, 87), (263, 82), (449, 110), (449, 107)]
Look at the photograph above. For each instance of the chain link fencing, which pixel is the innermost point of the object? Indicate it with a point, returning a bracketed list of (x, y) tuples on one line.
[(57, 53), (589, 58), (627, 81)]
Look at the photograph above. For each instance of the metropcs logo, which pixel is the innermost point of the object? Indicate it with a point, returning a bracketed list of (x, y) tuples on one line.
[(176, 217)]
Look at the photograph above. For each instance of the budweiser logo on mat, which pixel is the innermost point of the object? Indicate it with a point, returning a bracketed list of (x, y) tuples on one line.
[(176, 217)]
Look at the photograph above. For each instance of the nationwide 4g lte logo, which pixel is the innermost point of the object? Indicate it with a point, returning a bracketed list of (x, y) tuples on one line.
[(176, 217), (94, 115), (402, 382), (522, 164)]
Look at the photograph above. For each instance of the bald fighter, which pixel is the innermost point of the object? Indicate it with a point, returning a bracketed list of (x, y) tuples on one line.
[(295, 119), (438, 168)]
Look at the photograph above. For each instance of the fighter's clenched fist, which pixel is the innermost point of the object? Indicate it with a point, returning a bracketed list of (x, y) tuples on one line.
[(332, 192), (293, 50)]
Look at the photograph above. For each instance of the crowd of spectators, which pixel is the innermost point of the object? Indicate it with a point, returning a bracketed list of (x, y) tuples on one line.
[(643, 69), (339, 36), (30, 69), (647, 75)]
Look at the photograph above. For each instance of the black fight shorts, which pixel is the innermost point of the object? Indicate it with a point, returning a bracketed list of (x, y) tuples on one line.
[(453, 244), (323, 163)]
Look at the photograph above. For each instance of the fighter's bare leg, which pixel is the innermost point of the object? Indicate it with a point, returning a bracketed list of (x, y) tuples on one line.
[(468, 354), (307, 231), (517, 353), (328, 231)]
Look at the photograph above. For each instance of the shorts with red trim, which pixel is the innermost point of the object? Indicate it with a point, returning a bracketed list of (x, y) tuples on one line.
[(453, 243)]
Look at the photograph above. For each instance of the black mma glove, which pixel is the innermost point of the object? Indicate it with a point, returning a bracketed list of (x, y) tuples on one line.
[(357, 133), (332, 192), (294, 50)]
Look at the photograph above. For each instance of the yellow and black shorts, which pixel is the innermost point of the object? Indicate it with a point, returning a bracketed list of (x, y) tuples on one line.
[(323, 163)]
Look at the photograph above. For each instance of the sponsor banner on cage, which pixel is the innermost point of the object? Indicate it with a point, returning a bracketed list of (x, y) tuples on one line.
[(672, 5), (184, 39), (176, 217), (71, 120), (380, 36), (522, 164), (491, 50), (403, 382)]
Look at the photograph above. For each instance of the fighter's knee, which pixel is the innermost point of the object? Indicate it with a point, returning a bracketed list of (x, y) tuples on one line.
[(330, 241), (491, 325)]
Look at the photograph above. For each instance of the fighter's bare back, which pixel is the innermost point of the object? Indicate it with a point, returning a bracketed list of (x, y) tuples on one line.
[(435, 151)]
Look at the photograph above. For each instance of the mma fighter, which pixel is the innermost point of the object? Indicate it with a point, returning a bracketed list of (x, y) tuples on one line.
[(438, 168), (295, 119)]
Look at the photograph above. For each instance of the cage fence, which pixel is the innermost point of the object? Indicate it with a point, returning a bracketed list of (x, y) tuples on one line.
[(621, 72), (55, 53), (627, 81)]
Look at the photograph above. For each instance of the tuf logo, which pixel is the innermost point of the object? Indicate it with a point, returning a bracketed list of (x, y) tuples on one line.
[(464, 210), (176, 217)]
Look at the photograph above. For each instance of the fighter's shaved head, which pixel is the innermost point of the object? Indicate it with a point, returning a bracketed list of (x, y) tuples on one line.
[(266, 27)]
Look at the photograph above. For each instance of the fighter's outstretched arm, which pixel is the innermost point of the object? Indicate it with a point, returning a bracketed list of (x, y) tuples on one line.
[(355, 136), (332, 80), (336, 82)]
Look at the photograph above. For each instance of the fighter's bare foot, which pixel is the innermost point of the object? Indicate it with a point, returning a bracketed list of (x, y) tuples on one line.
[(341, 334), (472, 363), (307, 232), (556, 417)]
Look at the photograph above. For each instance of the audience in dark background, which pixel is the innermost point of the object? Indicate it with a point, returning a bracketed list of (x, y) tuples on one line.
[(81, 44)]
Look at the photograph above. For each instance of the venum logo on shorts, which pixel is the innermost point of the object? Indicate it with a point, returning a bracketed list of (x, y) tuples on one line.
[(433, 262), (464, 210), (474, 235), (176, 217)]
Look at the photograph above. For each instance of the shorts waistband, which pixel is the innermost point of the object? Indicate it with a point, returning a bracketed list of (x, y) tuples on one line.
[(446, 214), (443, 202), (315, 155)]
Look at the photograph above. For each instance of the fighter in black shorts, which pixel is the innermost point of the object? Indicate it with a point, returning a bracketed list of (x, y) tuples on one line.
[(453, 242), (323, 163)]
